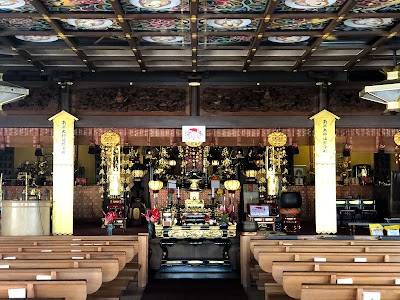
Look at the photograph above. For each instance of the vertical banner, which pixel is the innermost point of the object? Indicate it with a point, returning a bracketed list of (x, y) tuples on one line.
[(325, 172), (63, 173)]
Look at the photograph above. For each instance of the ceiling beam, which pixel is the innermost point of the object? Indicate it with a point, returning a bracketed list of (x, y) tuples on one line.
[(194, 35), (22, 53), (393, 32), (269, 10), (116, 5), (60, 33), (347, 6), (217, 122)]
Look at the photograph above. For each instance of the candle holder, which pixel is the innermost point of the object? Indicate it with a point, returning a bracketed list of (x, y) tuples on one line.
[(212, 208), (178, 211)]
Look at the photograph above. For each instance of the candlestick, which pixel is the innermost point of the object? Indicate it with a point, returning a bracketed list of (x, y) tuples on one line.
[(212, 192), (178, 211), (179, 194), (212, 207)]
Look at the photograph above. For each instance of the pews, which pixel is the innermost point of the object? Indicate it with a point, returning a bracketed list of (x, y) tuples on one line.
[(293, 281), (109, 267), (284, 266), (67, 289), (347, 291), (92, 276), (119, 255), (21, 247), (266, 259), (106, 264), (278, 268)]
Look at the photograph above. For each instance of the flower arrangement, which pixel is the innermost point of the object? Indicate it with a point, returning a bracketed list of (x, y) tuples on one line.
[(110, 217), (152, 215), (225, 212)]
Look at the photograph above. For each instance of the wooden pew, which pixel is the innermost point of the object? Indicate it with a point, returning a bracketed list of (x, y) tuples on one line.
[(347, 291), (67, 248), (279, 267), (92, 276), (292, 281), (71, 238), (139, 248), (120, 256), (266, 259), (69, 290), (331, 249), (326, 242), (109, 267)]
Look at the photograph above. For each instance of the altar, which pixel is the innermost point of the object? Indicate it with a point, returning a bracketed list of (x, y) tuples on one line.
[(197, 234)]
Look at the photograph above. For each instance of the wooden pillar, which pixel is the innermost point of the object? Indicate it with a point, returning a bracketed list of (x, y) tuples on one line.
[(66, 97), (325, 172), (63, 172), (322, 96), (194, 96), (143, 259)]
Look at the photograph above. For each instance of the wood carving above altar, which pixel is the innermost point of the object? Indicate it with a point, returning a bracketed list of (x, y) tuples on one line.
[(343, 101), (273, 99), (130, 100), (39, 100)]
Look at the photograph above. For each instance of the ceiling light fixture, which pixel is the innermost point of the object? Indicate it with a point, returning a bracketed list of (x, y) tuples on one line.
[(385, 92), (10, 93)]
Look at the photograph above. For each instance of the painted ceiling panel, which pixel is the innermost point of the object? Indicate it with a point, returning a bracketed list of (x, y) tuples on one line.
[(152, 32)]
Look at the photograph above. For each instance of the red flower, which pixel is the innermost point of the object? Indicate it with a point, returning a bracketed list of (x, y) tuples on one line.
[(110, 217), (152, 215)]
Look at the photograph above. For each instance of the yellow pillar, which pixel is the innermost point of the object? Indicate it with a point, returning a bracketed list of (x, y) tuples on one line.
[(325, 172), (63, 173)]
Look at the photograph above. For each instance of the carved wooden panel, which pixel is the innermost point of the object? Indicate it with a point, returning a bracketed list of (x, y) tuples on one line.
[(39, 100), (129, 100), (272, 99), (342, 101)]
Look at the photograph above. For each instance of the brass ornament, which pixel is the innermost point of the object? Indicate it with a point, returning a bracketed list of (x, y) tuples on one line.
[(196, 232), (277, 139), (396, 138), (110, 138)]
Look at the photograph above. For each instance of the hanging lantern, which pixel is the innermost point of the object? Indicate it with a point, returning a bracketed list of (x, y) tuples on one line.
[(155, 185), (232, 185)]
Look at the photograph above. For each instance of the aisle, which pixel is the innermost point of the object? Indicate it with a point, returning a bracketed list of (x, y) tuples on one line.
[(194, 289)]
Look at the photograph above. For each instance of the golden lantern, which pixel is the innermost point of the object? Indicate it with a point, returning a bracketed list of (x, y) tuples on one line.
[(155, 185), (232, 185)]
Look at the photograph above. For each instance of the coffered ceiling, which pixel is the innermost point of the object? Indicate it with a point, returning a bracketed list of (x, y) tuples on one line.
[(88, 36)]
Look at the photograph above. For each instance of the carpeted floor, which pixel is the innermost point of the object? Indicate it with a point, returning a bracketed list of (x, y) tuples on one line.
[(194, 289)]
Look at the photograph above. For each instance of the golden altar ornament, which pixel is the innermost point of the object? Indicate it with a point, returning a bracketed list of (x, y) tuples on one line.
[(277, 139), (396, 138), (110, 138)]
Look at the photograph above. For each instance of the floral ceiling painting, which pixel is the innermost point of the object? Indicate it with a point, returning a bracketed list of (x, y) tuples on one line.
[(248, 30)]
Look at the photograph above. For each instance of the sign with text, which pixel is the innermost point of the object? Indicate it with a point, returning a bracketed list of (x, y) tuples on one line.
[(193, 134)]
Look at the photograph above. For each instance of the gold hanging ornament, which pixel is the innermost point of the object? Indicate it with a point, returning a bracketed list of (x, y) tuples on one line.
[(276, 168), (396, 139), (110, 138), (277, 139)]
